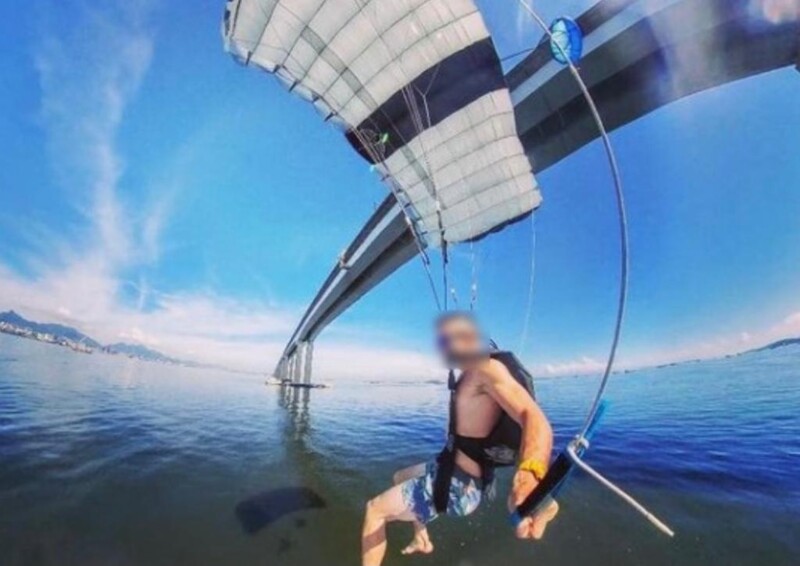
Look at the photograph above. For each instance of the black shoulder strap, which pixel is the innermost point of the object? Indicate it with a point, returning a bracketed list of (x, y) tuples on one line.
[(446, 462), (516, 368)]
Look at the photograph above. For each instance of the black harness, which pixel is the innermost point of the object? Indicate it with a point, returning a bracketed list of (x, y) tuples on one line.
[(446, 461), (499, 449)]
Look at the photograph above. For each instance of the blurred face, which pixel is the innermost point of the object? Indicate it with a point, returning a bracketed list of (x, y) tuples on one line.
[(459, 341)]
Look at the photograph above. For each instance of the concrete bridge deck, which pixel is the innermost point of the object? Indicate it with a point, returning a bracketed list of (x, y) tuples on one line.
[(639, 55)]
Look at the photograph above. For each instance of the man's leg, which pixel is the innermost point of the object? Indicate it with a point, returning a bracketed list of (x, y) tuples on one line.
[(389, 506), (409, 473), (534, 527), (543, 517), (421, 541)]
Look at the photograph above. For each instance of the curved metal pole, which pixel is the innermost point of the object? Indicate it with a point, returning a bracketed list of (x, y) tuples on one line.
[(573, 455), (621, 215)]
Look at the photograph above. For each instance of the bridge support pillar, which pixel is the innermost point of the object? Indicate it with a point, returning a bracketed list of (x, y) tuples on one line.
[(280, 370), (294, 369), (298, 366), (308, 357)]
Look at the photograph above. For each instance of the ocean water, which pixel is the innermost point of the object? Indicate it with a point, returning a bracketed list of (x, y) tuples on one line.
[(110, 461)]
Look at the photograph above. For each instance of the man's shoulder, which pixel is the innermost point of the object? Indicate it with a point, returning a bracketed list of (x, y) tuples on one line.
[(493, 370)]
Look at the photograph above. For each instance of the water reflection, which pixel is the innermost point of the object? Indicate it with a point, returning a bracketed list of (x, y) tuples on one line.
[(260, 510), (106, 462), (296, 402)]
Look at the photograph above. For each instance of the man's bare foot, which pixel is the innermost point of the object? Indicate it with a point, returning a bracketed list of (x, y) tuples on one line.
[(421, 544), (540, 520)]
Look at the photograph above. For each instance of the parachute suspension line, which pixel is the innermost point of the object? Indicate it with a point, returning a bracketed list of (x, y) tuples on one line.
[(426, 261), (413, 108), (374, 148), (523, 340), (429, 274), (517, 53), (429, 173), (416, 117), (396, 192), (473, 283), (581, 441), (419, 123), (445, 254), (445, 279)]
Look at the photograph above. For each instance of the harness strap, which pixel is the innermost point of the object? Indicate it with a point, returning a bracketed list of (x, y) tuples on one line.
[(446, 461)]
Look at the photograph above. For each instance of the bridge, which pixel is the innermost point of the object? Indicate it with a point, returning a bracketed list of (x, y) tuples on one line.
[(639, 55)]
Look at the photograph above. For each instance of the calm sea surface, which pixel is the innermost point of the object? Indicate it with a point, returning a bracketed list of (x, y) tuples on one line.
[(109, 461)]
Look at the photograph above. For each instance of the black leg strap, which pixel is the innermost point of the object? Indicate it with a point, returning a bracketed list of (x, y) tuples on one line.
[(446, 462)]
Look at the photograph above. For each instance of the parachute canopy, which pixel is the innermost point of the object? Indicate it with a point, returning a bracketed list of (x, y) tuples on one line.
[(418, 89)]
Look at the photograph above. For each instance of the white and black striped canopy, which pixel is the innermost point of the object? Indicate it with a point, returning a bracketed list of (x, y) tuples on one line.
[(418, 89)]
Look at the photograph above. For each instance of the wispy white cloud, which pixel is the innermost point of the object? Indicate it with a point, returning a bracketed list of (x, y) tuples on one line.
[(337, 360), (581, 366), (747, 339), (94, 278), (88, 78), (715, 347)]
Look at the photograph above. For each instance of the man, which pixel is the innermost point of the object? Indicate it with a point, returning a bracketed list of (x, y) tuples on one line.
[(485, 390)]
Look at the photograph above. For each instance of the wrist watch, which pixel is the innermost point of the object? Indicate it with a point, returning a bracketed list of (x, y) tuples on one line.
[(536, 467)]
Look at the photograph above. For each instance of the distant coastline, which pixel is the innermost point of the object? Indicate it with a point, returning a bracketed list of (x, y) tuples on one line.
[(14, 324), (47, 337)]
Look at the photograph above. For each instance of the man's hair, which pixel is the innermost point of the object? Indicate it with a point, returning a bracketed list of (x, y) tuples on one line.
[(456, 316)]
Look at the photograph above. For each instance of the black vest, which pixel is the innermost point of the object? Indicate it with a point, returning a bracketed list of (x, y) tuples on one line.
[(500, 448)]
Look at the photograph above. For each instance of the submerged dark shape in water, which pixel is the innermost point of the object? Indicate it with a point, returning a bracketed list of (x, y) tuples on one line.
[(262, 509)]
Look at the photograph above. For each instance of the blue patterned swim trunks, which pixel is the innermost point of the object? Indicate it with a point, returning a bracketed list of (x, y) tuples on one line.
[(465, 494)]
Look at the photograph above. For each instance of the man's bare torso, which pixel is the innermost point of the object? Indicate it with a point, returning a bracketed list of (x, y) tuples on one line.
[(477, 411)]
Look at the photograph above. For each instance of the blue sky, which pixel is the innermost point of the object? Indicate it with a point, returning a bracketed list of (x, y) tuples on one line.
[(154, 191)]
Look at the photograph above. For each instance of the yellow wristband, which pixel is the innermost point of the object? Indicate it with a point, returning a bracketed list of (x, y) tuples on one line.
[(536, 467)]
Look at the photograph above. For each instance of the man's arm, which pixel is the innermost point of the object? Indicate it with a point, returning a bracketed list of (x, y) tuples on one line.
[(537, 434)]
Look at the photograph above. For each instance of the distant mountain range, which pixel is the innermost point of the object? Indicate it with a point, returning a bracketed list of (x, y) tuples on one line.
[(69, 336), (775, 345), (57, 330), (139, 351), (68, 333)]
